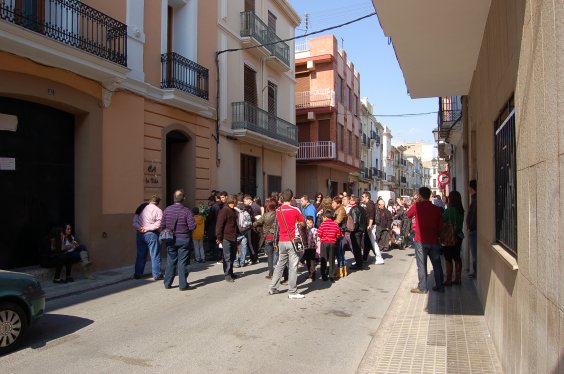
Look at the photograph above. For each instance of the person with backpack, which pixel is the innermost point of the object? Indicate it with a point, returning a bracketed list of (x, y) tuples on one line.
[(244, 225), (356, 226)]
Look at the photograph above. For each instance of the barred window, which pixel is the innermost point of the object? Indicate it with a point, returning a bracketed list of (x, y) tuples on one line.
[(506, 178)]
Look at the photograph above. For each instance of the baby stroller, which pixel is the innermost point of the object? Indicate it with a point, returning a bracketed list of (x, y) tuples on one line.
[(397, 238)]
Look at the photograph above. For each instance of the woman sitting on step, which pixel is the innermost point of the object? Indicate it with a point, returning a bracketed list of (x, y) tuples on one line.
[(77, 252)]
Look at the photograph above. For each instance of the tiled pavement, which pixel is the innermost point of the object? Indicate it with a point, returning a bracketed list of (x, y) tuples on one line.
[(432, 333)]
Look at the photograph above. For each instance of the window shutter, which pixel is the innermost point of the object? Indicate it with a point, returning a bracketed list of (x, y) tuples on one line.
[(250, 81)]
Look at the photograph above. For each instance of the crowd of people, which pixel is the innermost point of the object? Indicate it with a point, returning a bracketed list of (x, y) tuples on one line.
[(235, 229), (288, 230)]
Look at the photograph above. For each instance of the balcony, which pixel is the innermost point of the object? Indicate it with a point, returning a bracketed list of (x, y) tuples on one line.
[(317, 151), (375, 138), (71, 23), (180, 73), (364, 139), (373, 173), (247, 116), (257, 34), (315, 99), (403, 180)]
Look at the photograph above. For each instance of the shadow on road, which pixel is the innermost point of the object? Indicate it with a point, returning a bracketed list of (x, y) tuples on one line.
[(52, 330)]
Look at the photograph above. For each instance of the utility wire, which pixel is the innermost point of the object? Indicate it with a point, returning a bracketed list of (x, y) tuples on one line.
[(297, 37)]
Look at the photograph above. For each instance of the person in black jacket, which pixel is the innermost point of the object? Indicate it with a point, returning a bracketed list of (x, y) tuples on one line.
[(211, 221), (358, 216), (383, 220), (226, 232)]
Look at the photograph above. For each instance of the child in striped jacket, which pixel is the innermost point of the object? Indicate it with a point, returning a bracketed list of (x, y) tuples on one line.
[(328, 233)]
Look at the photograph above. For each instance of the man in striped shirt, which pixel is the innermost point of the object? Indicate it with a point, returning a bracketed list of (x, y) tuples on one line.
[(180, 221)]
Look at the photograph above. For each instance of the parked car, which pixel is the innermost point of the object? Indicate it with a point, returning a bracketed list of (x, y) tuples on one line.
[(22, 302)]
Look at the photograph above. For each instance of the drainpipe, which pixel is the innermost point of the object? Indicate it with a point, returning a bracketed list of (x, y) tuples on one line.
[(217, 97)]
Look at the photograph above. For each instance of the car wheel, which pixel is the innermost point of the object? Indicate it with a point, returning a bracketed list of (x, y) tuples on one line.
[(13, 324)]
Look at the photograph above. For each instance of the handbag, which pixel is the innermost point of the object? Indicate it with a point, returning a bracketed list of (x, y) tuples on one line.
[(296, 242), (167, 235), (448, 234)]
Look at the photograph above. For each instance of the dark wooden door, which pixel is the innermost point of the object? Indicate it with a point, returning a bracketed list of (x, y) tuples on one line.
[(39, 193), (249, 175)]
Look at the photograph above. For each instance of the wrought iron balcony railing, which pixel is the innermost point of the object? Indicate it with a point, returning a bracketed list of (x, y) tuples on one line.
[(324, 150), (185, 75), (315, 99), (72, 23), (247, 116), (450, 109), (252, 26)]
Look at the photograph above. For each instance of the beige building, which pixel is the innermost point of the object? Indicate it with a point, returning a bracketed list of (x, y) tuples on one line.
[(505, 60), (257, 131), (93, 124)]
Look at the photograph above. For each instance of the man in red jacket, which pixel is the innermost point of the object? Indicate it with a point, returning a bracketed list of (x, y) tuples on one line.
[(427, 232)]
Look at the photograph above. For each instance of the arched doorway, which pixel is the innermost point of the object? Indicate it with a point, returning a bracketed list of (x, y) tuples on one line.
[(180, 166), (37, 178)]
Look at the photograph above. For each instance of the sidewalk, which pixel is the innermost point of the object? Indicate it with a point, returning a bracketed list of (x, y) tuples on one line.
[(81, 284), (432, 333)]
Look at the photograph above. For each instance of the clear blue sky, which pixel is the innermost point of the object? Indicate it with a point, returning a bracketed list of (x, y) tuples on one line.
[(381, 79)]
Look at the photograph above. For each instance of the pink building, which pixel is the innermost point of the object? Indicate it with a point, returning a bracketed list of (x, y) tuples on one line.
[(327, 116)]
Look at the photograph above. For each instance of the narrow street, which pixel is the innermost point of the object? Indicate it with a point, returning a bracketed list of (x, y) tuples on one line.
[(138, 326)]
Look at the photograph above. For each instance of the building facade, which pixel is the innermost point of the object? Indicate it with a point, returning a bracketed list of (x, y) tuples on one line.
[(93, 124), (257, 133), (327, 116), (509, 143)]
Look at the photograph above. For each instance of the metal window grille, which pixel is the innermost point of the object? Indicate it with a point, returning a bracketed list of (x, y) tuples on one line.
[(506, 179)]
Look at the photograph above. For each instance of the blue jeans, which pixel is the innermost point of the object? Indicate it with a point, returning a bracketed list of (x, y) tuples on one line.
[(148, 242), (473, 236), (434, 252), (229, 253), (287, 256), (75, 254), (244, 248), (272, 256), (340, 252), (176, 261)]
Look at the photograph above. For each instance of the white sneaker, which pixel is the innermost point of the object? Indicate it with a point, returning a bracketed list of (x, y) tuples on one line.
[(295, 296), (379, 262)]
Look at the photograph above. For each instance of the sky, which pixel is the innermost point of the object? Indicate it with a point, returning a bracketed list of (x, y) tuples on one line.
[(381, 79)]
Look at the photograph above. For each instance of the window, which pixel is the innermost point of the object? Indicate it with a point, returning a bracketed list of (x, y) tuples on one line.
[(339, 90), (347, 96), (274, 184), (271, 21), (355, 105), (505, 178), (272, 98), (249, 5), (340, 141), (250, 81), (350, 142), (357, 142)]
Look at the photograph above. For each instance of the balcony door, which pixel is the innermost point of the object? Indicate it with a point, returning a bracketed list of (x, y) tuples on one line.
[(272, 107), (30, 14), (249, 175), (250, 96), (249, 5)]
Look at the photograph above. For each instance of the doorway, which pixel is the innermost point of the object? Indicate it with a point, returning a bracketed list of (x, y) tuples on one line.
[(180, 156), (249, 175), (37, 174)]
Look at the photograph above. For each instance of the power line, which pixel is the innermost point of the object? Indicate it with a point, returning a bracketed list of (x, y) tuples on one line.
[(296, 37), (404, 114)]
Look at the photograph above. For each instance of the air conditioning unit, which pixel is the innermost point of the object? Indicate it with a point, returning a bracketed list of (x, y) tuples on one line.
[(311, 116), (310, 65)]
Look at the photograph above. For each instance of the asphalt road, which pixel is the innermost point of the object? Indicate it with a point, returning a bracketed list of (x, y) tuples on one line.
[(137, 326)]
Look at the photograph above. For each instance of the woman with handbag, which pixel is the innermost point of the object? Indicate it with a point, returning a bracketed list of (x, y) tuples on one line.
[(454, 216)]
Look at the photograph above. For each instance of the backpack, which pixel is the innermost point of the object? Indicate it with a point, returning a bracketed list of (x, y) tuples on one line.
[(244, 221)]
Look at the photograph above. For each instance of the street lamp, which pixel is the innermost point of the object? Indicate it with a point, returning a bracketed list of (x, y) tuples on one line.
[(436, 135)]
